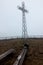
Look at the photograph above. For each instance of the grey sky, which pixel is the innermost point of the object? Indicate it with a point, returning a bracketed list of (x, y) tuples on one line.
[(11, 17)]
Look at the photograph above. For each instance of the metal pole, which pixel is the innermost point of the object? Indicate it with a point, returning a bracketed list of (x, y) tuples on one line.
[(24, 28)]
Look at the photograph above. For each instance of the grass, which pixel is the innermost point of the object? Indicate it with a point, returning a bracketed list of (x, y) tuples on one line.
[(35, 52)]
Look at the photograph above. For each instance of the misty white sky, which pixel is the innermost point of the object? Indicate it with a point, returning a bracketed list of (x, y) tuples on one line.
[(11, 17)]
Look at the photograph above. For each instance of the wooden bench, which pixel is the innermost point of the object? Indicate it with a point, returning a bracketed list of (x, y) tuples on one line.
[(2, 56)]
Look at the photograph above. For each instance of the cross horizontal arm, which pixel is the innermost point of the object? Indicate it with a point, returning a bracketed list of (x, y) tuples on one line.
[(24, 10)]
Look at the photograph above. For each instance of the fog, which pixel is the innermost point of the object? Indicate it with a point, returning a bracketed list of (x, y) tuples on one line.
[(11, 18)]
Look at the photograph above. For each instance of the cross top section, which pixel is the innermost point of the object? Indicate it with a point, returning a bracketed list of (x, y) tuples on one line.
[(23, 8)]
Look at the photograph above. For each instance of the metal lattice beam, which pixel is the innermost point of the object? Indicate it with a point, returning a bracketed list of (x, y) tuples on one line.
[(24, 28)]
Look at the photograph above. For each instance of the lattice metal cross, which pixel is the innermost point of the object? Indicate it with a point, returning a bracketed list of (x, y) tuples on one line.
[(24, 28)]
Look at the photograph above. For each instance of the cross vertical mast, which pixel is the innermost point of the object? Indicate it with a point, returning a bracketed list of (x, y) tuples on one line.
[(24, 28)]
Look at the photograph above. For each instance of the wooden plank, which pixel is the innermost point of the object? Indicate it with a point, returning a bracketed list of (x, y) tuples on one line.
[(20, 58), (6, 53)]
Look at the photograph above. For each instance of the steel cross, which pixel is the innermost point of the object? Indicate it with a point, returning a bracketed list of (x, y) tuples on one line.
[(24, 28)]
